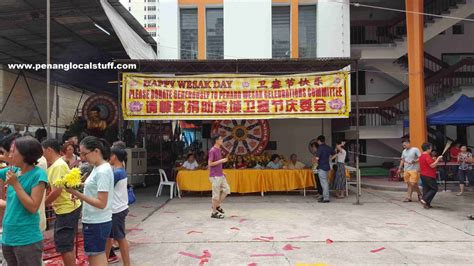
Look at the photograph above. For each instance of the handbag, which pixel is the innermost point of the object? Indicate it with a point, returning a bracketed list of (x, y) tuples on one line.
[(131, 195)]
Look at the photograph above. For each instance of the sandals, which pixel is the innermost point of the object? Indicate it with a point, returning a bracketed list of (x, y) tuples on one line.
[(407, 200), (219, 209), (217, 215)]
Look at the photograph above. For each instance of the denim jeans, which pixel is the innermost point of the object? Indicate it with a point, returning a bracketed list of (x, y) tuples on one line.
[(323, 178)]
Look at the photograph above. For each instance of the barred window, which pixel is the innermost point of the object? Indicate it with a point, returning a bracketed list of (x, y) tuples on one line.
[(281, 32), (188, 33), (214, 33), (307, 31)]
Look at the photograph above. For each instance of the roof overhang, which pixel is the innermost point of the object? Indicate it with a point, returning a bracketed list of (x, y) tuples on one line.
[(242, 66)]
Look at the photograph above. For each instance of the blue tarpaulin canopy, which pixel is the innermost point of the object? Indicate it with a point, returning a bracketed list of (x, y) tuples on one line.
[(460, 113)]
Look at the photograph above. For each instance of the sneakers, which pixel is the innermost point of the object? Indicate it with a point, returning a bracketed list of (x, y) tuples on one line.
[(217, 215), (113, 259), (425, 204), (219, 209), (323, 201)]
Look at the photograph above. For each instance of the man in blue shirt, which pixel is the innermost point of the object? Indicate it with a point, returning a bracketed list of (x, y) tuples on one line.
[(323, 156)]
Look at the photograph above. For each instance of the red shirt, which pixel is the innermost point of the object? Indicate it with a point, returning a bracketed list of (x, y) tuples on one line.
[(425, 161), (454, 152)]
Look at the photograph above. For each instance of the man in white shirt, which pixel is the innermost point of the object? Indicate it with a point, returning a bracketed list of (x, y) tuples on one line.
[(190, 163)]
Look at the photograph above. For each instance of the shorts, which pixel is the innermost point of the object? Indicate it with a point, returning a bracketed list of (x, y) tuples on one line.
[(219, 184), (95, 237), (463, 175), (411, 176), (65, 229), (30, 255), (118, 225)]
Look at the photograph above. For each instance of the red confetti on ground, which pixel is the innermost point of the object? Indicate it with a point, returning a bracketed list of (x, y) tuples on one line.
[(298, 237), (267, 237), (132, 215), (194, 232), (252, 264), (189, 255), (261, 239), (204, 258), (242, 220), (52, 258), (329, 241), (290, 247), (235, 228), (396, 224), (146, 206), (267, 255), (377, 250)]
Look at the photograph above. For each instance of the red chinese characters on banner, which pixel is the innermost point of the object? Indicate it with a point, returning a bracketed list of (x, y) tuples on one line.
[(207, 107), (291, 106), (165, 107), (266, 97), (179, 107), (193, 107), (235, 107), (319, 105), (221, 107), (151, 107), (263, 106), (249, 106), (277, 105)]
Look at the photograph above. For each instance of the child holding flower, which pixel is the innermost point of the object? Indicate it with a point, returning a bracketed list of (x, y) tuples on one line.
[(97, 199)]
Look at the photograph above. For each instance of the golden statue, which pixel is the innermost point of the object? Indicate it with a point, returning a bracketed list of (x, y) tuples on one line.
[(95, 124)]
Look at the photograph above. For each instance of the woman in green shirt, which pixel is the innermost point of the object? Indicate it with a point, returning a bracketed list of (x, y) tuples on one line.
[(22, 240)]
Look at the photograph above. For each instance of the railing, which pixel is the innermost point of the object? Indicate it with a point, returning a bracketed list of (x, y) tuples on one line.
[(382, 113), (387, 32), (431, 63)]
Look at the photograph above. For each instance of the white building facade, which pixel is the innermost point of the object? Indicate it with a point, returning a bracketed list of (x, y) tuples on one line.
[(146, 12), (258, 29)]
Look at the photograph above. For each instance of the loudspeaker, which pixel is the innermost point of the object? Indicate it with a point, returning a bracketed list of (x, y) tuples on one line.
[(271, 146), (206, 131)]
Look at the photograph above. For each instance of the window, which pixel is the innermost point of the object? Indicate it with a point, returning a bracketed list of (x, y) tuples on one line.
[(144, 17), (153, 25), (152, 8), (458, 29), (281, 32), (144, 8), (151, 16), (214, 33), (307, 31), (188, 33), (153, 34), (129, 9)]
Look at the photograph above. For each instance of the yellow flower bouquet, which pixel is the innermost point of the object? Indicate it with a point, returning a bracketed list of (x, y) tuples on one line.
[(73, 179)]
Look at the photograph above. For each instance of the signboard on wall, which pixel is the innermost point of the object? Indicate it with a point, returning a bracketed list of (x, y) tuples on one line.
[(319, 95)]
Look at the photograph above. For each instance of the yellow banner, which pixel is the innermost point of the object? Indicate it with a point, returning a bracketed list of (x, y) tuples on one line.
[(152, 97)]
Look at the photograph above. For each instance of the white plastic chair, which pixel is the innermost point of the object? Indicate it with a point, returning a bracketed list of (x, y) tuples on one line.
[(165, 182)]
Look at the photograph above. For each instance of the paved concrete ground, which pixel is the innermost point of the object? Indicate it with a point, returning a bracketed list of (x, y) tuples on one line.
[(409, 233)]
